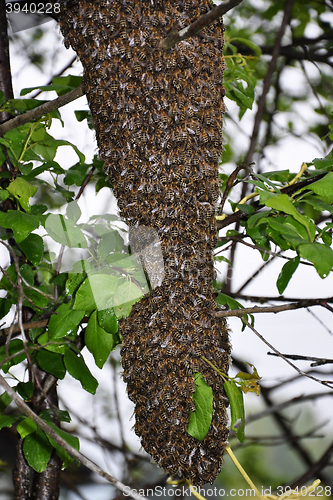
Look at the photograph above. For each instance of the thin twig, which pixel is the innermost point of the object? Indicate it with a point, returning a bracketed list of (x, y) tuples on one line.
[(285, 404), (68, 65), (24, 408), (258, 271), (267, 80), (327, 383), (193, 29), (239, 239), (26, 326), (229, 186), (314, 470), (295, 357)]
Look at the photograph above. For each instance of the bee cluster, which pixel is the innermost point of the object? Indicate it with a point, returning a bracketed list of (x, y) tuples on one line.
[(158, 119)]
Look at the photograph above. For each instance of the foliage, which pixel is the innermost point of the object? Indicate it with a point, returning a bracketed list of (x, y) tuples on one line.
[(81, 306)]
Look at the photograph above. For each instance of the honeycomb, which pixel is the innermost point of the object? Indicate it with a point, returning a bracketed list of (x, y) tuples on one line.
[(158, 118)]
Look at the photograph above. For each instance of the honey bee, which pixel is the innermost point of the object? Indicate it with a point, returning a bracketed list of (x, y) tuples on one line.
[(114, 86), (91, 30)]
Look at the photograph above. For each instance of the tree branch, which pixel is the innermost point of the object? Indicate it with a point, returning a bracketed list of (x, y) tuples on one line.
[(238, 216), (24, 408), (5, 73), (275, 309), (193, 29), (41, 110), (315, 469)]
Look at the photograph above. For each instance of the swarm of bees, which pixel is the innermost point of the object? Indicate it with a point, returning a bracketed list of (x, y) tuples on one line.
[(158, 117)]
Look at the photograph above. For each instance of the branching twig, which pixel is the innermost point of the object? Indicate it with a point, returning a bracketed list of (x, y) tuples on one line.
[(327, 383), (26, 326), (24, 408), (239, 239), (285, 404), (277, 298), (317, 361), (193, 29), (314, 470), (269, 309), (41, 110), (267, 80)]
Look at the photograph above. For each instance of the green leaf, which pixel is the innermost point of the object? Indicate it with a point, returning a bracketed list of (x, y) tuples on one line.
[(50, 413), (27, 274), (64, 231), (39, 301), (320, 255), (199, 421), (243, 207), (324, 187), (286, 273), (5, 305), (15, 346), (51, 166), (235, 397), (233, 304), (5, 401), (25, 390), (73, 282), (60, 89), (81, 115), (22, 191), (95, 292), (70, 81), (8, 420), (108, 320), (243, 100), (33, 248), (245, 41), (26, 427), (282, 203), (77, 368), (99, 342), (73, 211), (64, 322), (108, 244), (127, 295), (3, 193), (76, 174), (51, 362), (326, 162), (20, 223), (318, 204), (37, 450), (73, 441)]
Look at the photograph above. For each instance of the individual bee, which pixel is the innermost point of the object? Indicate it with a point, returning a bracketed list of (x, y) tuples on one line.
[(114, 86), (112, 11)]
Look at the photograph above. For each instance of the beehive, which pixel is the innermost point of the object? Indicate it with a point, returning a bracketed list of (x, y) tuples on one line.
[(158, 119)]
